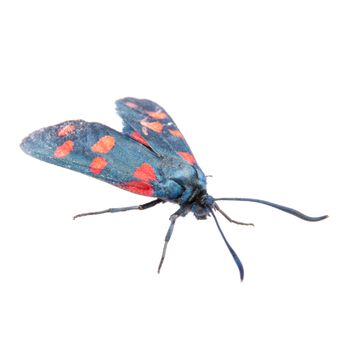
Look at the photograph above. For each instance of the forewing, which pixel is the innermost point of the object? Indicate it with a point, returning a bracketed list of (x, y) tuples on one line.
[(101, 152), (149, 124)]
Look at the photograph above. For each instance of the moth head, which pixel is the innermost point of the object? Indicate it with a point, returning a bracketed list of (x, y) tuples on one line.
[(200, 207)]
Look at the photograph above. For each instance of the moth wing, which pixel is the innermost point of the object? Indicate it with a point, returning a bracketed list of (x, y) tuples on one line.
[(103, 153), (149, 123)]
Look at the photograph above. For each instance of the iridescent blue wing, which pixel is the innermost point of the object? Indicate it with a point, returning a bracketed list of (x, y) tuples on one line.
[(101, 152), (151, 125)]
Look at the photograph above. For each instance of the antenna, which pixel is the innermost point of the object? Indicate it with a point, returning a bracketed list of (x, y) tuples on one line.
[(277, 206)]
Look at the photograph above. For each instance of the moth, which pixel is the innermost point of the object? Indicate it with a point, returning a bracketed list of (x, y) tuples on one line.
[(150, 157)]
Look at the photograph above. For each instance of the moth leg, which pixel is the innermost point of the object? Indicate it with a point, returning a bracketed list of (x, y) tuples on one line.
[(228, 218), (181, 212), (116, 210)]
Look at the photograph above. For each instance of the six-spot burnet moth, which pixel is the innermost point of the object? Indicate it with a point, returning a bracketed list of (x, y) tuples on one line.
[(149, 157)]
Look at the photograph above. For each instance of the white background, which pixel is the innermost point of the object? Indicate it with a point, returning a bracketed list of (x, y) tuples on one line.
[(260, 89)]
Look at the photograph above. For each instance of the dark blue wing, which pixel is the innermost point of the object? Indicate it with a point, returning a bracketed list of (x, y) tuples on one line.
[(150, 124), (99, 151)]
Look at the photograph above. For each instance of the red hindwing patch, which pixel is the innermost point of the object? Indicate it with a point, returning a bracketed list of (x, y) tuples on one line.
[(63, 150), (138, 187), (97, 165), (104, 144), (187, 156), (137, 137), (145, 172)]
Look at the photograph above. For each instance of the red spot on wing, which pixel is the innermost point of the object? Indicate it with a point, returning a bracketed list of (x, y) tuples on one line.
[(137, 137), (188, 157), (155, 126), (131, 105), (63, 150), (139, 187), (66, 130), (97, 165), (157, 115), (145, 172), (104, 144), (176, 133)]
